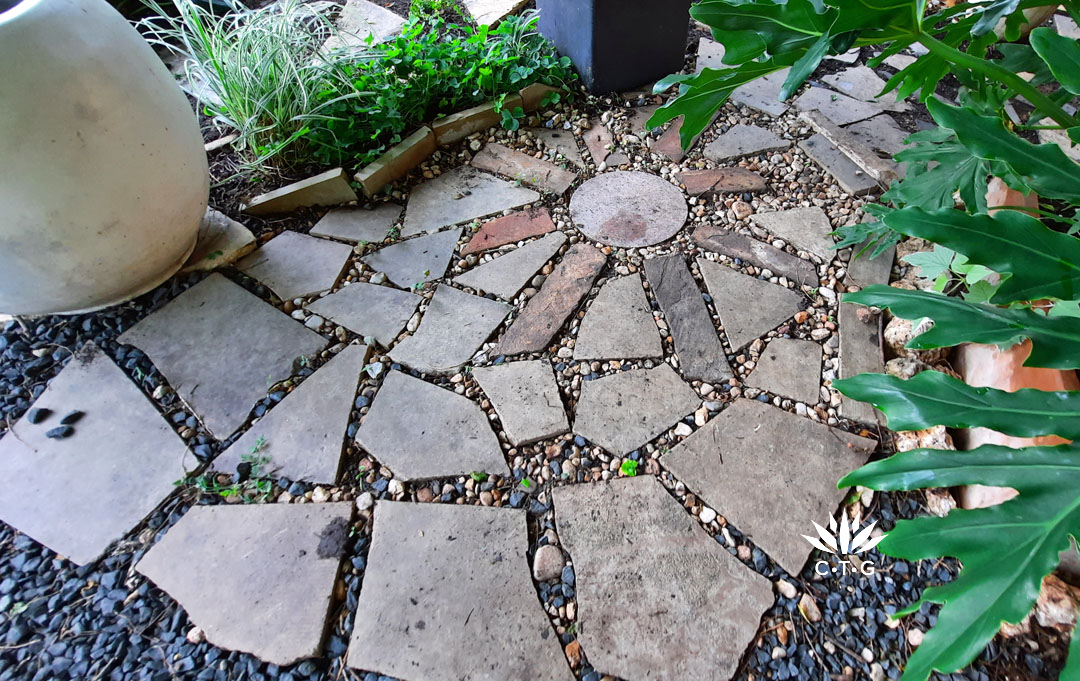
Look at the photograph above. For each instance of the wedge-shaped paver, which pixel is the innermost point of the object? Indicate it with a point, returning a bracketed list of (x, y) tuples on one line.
[(460, 195), (851, 178), (862, 83), (838, 108), (693, 608), (749, 446), (295, 265), (748, 307), (520, 167), (763, 94), (369, 310), (491, 12), (79, 494), (790, 368), (624, 411), (415, 261), (860, 352), (598, 140), (220, 347), (454, 326), (325, 189), (619, 324), (561, 142), (420, 431), (222, 241), (506, 275), (560, 294), (628, 208), (741, 141), (510, 229), (448, 596), (735, 245), (303, 435), (362, 23), (805, 228), (359, 225), (257, 579), (710, 55), (700, 352), (526, 398)]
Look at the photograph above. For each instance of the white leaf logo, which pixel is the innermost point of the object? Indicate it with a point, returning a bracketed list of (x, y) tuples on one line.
[(839, 540)]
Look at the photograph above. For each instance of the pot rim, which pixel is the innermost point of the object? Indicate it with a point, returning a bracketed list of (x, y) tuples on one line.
[(18, 10)]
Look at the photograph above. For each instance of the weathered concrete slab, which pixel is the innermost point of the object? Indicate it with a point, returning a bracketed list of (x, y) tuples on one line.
[(701, 355), (805, 228), (851, 178), (510, 229), (460, 195), (561, 142), (325, 189), (759, 253), (790, 368), (624, 411), (499, 159), (295, 265), (79, 494), (448, 596), (206, 562), (710, 55), (862, 270), (862, 83), (303, 435), (763, 94), (369, 310), (741, 141), (419, 431), (220, 347), (860, 352), (749, 447), (362, 23), (631, 532), (452, 329), (748, 307), (491, 12), (415, 261), (628, 208), (526, 398), (619, 324), (359, 225), (881, 134), (506, 275), (838, 108), (546, 312), (221, 242)]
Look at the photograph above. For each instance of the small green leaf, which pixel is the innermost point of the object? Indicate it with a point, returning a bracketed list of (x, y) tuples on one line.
[(215, 255), (931, 264), (629, 468), (478, 477), (526, 483)]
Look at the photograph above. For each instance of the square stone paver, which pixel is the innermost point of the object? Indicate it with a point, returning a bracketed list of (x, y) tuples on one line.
[(521, 167), (510, 229), (749, 446), (255, 578), (369, 310), (416, 261), (763, 94), (460, 195), (619, 324), (790, 368), (862, 83), (658, 598), (447, 596), (526, 398), (222, 241), (79, 494), (805, 228), (838, 108), (851, 178), (295, 265), (220, 348), (741, 141), (748, 307), (359, 225), (506, 275), (561, 142)]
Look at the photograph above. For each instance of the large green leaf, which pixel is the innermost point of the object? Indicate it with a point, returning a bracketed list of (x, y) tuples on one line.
[(933, 398), (991, 12), (938, 165), (1061, 54), (1043, 263), (754, 28), (1019, 58), (1005, 550)]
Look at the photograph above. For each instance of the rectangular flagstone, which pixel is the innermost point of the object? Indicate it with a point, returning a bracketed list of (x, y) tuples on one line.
[(759, 253), (220, 348), (368, 310), (295, 265), (506, 275), (510, 229), (359, 225), (721, 181), (860, 352), (523, 168), (741, 141), (851, 178), (460, 195), (838, 108), (79, 494), (526, 398)]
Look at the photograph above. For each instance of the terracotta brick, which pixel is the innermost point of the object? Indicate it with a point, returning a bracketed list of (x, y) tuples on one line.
[(464, 123), (397, 161), (510, 229), (721, 180)]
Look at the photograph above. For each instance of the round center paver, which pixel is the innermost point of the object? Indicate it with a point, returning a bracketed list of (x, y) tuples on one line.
[(628, 209)]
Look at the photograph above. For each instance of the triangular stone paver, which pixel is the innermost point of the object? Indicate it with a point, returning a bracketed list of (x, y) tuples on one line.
[(748, 307), (491, 12), (598, 140), (700, 352), (526, 398), (79, 494), (295, 265), (619, 324), (744, 140), (221, 242), (461, 195), (369, 310), (448, 596), (763, 94), (258, 579), (359, 225), (454, 326), (759, 253), (789, 368), (560, 294), (851, 178), (805, 228), (628, 208), (506, 275), (838, 108), (749, 446), (510, 229), (362, 23), (303, 435), (561, 142), (692, 609), (422, 431), (220, 347), (710, 55), (415, 261), (624, 411), (521, 167), (862, 83)]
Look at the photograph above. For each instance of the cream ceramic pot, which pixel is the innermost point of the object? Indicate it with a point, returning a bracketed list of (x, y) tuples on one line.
[(104, 178)]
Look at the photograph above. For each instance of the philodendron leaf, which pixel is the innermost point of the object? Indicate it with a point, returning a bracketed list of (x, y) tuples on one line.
[(805, 66), (991, 13), (936, 399), (1005, 550), (751, 28), (1061, 54), (956, 321), (1043, 263), (937, 166)]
